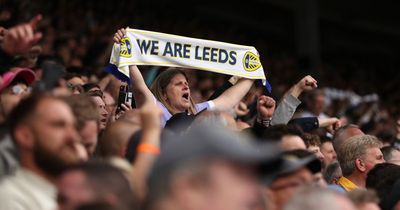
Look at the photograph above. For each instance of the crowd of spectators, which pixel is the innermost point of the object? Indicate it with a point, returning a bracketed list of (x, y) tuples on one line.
[(190, 139)]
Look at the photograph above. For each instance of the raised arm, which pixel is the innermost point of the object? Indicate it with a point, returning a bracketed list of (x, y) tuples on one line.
[(17, 40), (141, 92), (287, 106), (148, 149), (230, 97)]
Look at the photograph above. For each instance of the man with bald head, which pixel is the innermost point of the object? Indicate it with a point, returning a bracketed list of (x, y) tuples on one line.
[(115, 139), (344, 133)]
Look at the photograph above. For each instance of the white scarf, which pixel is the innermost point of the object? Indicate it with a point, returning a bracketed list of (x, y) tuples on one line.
[(141, 47)]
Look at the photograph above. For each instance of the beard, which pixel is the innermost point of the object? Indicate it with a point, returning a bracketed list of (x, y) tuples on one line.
[(50, 162)]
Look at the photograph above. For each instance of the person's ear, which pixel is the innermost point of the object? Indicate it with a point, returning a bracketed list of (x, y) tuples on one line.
[(24, 137), (360, 165), (123, 150), (164, 95)]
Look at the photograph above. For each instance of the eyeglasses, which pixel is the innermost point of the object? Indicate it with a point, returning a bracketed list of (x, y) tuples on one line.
[(18, 90)]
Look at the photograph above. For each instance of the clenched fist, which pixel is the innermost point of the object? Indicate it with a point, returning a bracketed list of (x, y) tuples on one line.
[(265, 107), (306, 84)]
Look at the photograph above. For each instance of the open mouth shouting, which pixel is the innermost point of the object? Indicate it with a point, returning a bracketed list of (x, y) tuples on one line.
[(103, 122), (185, 96)]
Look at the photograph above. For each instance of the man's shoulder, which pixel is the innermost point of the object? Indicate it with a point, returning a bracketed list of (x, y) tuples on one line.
[(22, 191), (12, 194), (11, 186), (337, 188)]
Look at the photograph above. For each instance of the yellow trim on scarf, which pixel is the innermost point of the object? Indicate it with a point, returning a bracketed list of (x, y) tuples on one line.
[(347, 184)]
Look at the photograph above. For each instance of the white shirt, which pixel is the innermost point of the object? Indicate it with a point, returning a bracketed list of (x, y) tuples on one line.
[(27, 191)]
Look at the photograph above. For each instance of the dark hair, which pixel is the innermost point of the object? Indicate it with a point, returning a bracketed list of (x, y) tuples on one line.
[(386, 137), (300, 153), (102, 206), (311, 139), (276, 132), (387, 152), (95, 93), (330, 172), (96, 206), (384, 179), (79, 71), (25, 109), (18, 79), (393, 198), (382, 172), (86, 87), (70, 75), (325, 139), (42, 59)]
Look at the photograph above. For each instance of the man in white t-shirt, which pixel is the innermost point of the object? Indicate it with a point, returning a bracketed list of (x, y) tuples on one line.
[(43, 128)]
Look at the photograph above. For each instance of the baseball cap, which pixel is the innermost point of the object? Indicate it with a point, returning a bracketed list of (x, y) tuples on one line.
[(25, 74), (179, 122), (292, 163), (207, 142)]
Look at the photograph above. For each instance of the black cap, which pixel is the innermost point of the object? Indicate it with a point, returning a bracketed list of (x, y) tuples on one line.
[(179, 122), (291, 164), (208, 142)]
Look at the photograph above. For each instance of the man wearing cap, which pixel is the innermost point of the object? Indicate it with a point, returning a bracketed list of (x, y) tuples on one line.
[(293, 173), (209, 169), (15, 86), (357, 156)]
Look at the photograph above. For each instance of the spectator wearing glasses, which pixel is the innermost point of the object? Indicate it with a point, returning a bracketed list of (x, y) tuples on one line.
[(16, 85)]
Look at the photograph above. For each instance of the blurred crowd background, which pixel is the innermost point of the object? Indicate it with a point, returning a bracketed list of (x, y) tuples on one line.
[(349, 51), (331, 117)]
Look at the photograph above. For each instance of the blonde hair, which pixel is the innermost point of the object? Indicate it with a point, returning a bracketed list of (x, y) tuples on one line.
[(354, 148), (160, 84)]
